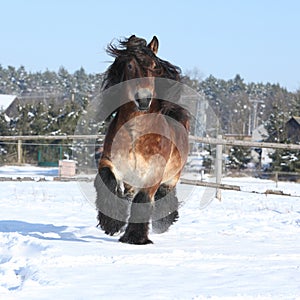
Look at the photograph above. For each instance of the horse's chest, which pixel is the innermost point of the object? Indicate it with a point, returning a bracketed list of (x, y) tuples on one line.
[(139, 155)]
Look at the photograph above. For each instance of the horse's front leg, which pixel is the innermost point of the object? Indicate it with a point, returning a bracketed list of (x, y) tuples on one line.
[(166, 205), (138, 223), (112, 209)]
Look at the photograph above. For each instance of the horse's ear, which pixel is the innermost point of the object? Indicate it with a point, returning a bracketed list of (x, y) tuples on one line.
[(153, 45)]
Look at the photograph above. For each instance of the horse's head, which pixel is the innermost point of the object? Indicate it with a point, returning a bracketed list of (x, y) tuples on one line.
[(137, 63)]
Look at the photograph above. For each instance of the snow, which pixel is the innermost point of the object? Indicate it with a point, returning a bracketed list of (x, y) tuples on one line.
[(6, 100), (30, 114), (245, 247), (7, 118), (28, 171)]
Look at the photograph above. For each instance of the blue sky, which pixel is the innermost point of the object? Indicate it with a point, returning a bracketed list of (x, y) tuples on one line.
[(258, 39)]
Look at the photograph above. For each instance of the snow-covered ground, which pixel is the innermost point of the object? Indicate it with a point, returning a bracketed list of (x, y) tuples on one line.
[(245, 247), (28, 171)]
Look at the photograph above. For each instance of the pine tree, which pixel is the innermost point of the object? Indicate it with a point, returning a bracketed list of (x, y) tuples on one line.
[(238, 158), (275, 125), (283, 160), (286, 160)]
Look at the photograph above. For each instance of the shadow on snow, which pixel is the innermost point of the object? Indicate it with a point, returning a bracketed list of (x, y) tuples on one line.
[(41, 231)]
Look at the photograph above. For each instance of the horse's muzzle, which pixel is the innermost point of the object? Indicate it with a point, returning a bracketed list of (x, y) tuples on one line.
[(143, 99)]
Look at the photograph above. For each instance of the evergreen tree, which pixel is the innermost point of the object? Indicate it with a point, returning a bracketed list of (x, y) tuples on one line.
[(238, 158), (297, 104), (229, 99), (4, 131), (283, 160), (275, 125)]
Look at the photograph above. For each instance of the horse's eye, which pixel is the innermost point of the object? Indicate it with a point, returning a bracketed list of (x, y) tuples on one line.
[(129, 66)]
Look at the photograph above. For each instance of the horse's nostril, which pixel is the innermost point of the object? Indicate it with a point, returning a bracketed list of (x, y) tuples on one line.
[(136, 96), (144, 104), (143, 99)]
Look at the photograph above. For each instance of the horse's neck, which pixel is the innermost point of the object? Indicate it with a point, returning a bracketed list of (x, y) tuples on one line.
[(137, 123), (133, 123), (128, 113)]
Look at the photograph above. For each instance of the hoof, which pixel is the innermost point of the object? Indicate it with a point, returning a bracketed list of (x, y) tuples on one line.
[(134, 240)]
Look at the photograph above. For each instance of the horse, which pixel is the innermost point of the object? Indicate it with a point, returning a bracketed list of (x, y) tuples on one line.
[(145, 146)]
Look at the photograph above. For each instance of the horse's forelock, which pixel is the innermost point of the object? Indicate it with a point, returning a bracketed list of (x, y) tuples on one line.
[(127, 46), (134, 42)]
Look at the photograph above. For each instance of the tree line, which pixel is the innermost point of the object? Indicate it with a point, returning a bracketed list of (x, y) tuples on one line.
[(239, 106)]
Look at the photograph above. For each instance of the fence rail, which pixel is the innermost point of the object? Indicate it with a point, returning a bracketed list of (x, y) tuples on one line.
[(48, 137), (204, 140), (219, 142), (229, 142)]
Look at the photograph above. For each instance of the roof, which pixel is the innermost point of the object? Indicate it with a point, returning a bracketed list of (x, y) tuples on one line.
[(6, 100), (297, 119)]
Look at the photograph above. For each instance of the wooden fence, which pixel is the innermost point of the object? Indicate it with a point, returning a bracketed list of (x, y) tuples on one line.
[(219, 142)]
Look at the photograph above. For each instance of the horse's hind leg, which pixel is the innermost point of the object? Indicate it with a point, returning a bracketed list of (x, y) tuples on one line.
[(138, 223), (112, 210), (165, 209)]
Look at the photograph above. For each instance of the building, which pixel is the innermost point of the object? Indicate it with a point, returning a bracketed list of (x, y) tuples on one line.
[(293, 129), (7, 102)]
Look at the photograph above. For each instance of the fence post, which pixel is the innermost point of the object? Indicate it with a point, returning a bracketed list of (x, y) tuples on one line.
[(218, 166), (19, 152)]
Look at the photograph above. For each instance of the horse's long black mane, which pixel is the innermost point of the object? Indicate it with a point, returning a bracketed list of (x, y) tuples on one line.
[(137, 48)]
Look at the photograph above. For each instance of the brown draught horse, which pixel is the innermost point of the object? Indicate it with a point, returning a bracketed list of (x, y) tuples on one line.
[(145, 147)]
